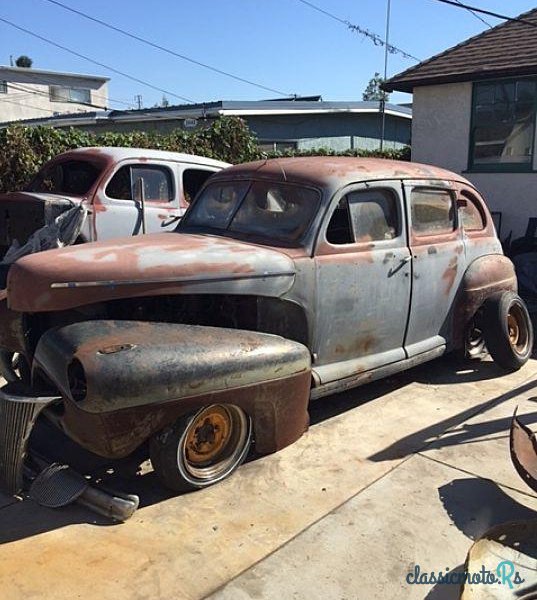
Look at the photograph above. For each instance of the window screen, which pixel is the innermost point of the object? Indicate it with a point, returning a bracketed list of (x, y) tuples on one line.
[(432, 211)]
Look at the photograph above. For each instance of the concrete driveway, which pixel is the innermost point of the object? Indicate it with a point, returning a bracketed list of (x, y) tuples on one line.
[(403, 472)]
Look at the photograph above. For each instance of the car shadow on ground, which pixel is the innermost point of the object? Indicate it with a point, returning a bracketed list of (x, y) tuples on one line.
[(25, 519), (466, 434)]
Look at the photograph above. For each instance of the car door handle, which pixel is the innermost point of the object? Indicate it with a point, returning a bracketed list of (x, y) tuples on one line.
[(406, 259)]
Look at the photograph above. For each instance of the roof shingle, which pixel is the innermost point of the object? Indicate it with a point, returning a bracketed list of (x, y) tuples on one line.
[(507, 49)]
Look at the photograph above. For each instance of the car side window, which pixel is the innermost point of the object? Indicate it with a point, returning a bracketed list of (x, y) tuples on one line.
[(193, 180), (472, 216), (373, 215), (432, 210), (157, 182)]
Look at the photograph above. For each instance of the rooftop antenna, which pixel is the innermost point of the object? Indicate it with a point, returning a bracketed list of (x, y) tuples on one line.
[(383, 98), (11, 63)]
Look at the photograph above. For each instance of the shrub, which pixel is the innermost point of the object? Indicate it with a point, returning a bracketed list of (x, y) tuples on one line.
[(23, 150)]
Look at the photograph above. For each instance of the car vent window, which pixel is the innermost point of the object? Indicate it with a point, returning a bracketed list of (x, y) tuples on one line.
[(373, 215), (339, 227), (432, 211), (119, 186)]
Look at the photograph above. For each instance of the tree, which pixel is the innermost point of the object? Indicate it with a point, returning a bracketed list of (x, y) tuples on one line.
[(373, 90), (24, 61)]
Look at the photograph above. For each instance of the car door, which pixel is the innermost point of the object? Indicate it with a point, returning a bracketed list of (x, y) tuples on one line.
[(362, 264), (438, 262), (118, 209)]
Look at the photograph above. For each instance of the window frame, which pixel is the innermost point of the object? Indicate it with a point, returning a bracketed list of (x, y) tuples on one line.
[(68, 89), (323, 247), (507, 167)]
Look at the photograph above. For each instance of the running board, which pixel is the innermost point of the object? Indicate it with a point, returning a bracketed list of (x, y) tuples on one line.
[(347, 383)]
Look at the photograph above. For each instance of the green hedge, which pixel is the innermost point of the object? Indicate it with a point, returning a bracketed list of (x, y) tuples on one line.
[(23, 150)]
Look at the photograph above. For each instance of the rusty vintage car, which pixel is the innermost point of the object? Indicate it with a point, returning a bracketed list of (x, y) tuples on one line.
[(287, 280), (102, 188)]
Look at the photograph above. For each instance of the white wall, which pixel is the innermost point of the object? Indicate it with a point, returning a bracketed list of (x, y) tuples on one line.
[(28, 96), (441, 136)]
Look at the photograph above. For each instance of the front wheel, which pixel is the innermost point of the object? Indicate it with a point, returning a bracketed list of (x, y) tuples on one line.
[(507, 330), (202, 448)]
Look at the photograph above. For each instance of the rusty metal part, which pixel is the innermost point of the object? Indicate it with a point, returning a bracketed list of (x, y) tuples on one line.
[(214, 442), (114, 401), (18, 413), (523, 447), (484, 277), (517, 330), (323, 170), (208, 434), (154, 264)]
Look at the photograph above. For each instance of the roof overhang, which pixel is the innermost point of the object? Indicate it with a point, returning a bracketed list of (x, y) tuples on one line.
[(407, 85)]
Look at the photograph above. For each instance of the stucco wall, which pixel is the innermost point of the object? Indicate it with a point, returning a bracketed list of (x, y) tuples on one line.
[(26, 99), (441, 136)]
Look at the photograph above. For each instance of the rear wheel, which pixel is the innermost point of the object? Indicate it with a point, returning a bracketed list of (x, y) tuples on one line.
[(507, 330), (202, 448)]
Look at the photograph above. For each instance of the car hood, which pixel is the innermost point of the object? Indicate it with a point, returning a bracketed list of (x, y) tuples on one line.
[(155, 264)]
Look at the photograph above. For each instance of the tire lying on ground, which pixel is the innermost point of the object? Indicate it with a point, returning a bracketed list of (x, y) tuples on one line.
[(507, 330)]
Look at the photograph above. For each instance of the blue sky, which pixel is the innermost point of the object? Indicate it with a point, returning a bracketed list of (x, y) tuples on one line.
[(282, 44)]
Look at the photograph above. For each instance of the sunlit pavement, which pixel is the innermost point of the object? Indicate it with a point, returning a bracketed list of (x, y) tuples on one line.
[(403, 472)]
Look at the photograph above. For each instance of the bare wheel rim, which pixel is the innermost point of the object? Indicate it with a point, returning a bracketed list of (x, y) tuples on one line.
[(517, 329), (214, 443)]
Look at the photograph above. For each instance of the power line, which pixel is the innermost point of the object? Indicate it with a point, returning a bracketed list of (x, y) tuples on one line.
[(374, 37), (458, 4), (91, 60), (28, 105), (167, 50), (472, 12)]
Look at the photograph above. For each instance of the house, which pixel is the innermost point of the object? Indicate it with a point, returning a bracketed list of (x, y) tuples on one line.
[(34, 93), (474, 112), (279, 124)]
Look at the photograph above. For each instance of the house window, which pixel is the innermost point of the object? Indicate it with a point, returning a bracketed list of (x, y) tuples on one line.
[(59, 93), (503, 125), (3, 87)]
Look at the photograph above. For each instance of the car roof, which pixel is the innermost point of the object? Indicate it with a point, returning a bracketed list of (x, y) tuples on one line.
[(325, 171), (117, 154)]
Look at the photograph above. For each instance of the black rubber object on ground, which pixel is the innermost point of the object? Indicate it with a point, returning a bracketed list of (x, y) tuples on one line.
[(500, 312)]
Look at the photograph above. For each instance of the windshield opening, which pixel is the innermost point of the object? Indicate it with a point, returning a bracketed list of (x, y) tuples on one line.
[(73, 177), (277, 211)]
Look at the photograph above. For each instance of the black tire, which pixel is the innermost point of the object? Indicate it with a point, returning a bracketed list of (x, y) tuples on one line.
[(507, 330), (202, 448)]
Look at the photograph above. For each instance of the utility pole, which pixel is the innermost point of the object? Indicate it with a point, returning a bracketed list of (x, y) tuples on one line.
[(383, 99), (138, 100)]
